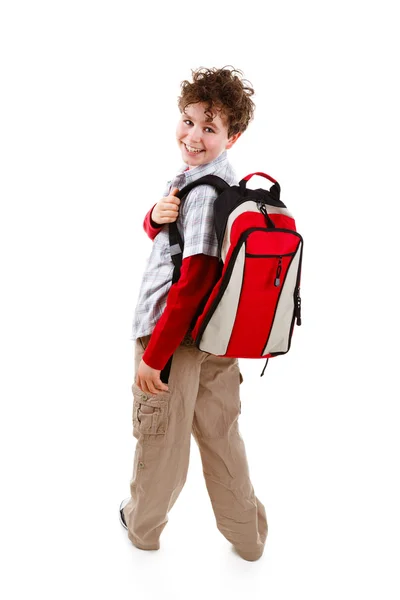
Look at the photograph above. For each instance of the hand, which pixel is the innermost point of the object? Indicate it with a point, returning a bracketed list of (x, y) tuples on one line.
[(148, 380), (166, 211)]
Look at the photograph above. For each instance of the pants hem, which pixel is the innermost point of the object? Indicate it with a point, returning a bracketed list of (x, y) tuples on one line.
[(142, 546), (251, 556)]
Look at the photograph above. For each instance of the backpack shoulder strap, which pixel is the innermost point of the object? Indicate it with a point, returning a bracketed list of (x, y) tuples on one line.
[(213, 180), (175, 238)]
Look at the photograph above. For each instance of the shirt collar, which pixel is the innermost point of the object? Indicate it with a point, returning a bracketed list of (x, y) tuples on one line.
[(202, 170)]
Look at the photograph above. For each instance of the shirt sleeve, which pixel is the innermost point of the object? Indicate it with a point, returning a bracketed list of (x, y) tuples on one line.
[(198, 276), (197, 222), (150, 227)]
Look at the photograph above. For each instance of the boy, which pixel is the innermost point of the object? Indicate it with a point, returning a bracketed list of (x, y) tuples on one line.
[(202, 396)]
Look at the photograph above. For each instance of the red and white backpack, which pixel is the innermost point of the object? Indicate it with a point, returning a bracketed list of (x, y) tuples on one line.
[(256, 301)]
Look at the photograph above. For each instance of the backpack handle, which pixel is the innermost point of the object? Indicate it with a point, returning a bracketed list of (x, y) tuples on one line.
[(261, 174), (275, 189)]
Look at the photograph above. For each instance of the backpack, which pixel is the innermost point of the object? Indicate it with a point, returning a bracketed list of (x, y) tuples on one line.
[(251, 311)]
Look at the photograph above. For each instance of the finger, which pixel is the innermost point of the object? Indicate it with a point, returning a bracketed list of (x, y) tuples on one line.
[(169, 200), (170, 214), (145, 387), (143, 384), (152, 388), (156, 386), (171, 206), (174, 191)]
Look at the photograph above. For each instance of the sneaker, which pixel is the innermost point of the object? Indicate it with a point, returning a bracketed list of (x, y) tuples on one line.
[(121, 513)]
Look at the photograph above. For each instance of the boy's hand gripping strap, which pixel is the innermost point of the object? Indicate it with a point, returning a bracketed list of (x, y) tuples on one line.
[(175, 239)]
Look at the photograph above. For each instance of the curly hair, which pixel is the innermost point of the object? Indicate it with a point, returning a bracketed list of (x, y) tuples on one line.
[(224, 91)]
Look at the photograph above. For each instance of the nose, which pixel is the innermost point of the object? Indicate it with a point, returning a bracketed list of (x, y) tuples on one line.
[(195, 134)]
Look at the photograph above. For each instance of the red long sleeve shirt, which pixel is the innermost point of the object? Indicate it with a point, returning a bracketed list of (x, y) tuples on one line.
[(198, 276)]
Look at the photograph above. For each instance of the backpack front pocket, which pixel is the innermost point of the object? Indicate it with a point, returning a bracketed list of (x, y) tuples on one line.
[(250, 313), (263, 281)]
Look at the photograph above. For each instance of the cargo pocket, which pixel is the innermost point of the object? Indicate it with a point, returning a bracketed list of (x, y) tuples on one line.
[(150, 413)]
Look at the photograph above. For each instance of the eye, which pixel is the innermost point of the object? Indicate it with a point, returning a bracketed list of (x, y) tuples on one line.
[(189, 122)]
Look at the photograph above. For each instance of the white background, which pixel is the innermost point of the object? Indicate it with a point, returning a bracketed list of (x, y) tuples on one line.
[(88, 115)]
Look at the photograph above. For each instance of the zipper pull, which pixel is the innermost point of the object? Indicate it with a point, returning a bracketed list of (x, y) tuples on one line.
[(298, 309), (278, 273), (268, 220)]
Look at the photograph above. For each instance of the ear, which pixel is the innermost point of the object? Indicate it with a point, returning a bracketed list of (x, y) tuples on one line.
[(232, 140)]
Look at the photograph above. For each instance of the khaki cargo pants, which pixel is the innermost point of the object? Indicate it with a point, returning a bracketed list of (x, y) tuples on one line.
[(203, 400)]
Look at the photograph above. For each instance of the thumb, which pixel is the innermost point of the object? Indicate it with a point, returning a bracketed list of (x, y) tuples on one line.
[(173, 192)]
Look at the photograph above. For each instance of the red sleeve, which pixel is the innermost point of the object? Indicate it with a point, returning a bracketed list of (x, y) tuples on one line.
[(151, 228), (198, 276)]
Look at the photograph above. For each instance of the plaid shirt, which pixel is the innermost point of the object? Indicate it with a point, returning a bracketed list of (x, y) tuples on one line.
[(196, 226)]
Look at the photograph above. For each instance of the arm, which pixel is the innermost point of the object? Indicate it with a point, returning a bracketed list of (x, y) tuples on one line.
[(199, 272), (198, 276)]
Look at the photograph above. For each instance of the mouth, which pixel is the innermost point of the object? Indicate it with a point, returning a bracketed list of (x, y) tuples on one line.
[(192, 151)]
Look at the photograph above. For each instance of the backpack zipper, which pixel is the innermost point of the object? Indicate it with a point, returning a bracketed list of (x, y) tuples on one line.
[(278, 273), (297, 308), (250, 255)]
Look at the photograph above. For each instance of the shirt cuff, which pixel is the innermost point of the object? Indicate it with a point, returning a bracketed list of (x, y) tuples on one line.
[(150, 227)]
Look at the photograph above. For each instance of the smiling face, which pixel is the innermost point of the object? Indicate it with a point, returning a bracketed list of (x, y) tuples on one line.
[(200, 139)]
